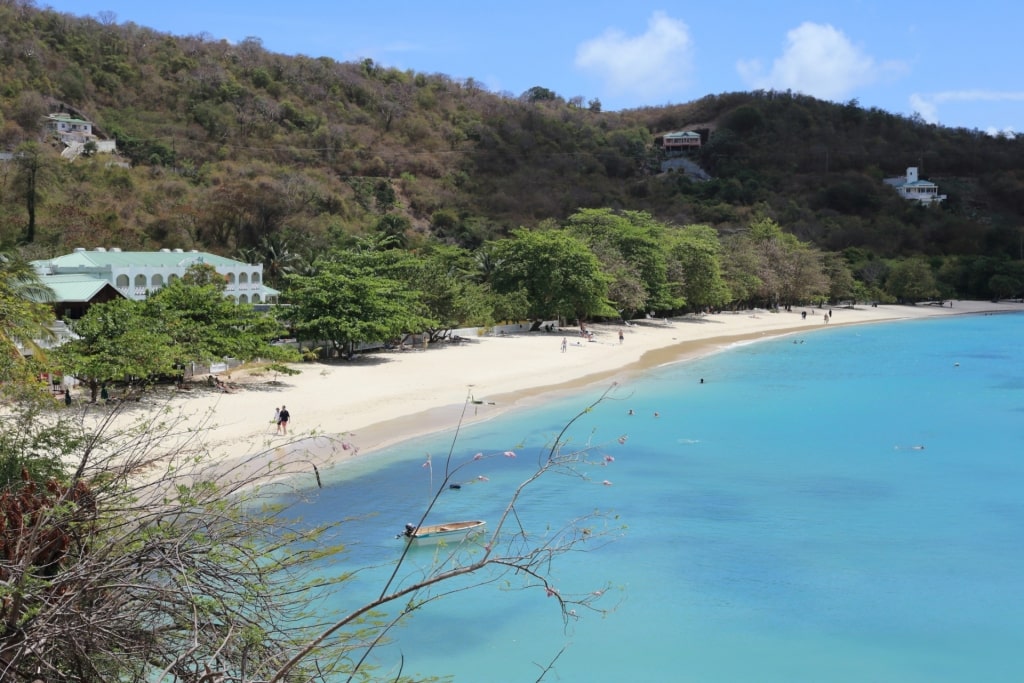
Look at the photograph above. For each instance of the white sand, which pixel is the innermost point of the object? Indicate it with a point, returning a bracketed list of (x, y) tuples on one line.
[(381, 398)]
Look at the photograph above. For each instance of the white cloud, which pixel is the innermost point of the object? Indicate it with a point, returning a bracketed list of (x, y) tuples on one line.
[(653, 64), (927, 104), (818, 60), (925, 107)]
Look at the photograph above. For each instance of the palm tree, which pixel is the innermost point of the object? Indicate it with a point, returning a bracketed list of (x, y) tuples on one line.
[(25, 311), (276, 257)]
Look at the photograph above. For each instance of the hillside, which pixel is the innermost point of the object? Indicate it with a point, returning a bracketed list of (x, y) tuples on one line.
[(235, 148)]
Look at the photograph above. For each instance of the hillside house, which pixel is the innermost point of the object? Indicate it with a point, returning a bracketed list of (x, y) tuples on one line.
[(913, 188), (75, 134), (89, 276), (680, 141), (65, 125)]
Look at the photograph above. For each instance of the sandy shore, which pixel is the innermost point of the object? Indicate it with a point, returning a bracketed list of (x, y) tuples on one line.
[(382, 398)]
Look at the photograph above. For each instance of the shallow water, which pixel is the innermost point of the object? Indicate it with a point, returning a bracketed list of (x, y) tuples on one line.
[(844, 506)]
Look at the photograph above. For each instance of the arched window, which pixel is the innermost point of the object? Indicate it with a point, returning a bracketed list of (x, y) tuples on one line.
[(243, 299), (243, 278), (255, 278), (231, 279), (171, 278), (157, 282), (255, 298), (122, 281), (140, 281)]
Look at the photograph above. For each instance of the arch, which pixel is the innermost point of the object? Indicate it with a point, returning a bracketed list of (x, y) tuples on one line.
[(172, 277), (243, 278), (243, 299), (140, 280), (231, 279), (157, 281), (255, 298), (122, 281), (255, 278)]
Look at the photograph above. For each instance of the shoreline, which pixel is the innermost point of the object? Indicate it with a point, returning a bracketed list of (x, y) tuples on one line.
[(386, 398)]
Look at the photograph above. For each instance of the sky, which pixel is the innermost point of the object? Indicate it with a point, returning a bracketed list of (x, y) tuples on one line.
[(955, 64)]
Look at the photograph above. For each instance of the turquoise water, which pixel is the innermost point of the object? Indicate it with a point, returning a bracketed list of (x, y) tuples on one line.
[(781, 521)]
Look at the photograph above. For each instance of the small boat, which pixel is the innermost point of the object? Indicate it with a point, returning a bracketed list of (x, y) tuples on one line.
[(451, 532)]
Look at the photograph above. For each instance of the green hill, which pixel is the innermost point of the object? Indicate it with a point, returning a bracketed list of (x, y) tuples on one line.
[(234, 148)]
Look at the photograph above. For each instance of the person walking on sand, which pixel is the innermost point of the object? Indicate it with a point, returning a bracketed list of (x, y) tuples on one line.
[(277, 419), (565, 343), (282, 420), (621, 336)]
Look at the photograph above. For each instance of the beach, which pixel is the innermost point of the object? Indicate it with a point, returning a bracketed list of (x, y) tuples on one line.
[(381, 398)]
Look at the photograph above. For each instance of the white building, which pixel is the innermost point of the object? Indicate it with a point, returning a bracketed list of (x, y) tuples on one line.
[(912, 187), (76, 133), (134, 274)]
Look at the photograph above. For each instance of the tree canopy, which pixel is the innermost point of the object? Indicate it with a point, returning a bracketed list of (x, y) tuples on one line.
[(345, 304), (560, 276)]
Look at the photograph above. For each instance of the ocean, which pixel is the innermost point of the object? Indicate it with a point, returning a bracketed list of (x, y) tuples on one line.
[(844, 505)]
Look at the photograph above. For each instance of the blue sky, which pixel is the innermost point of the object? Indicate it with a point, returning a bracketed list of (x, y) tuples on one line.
[(956, 64)]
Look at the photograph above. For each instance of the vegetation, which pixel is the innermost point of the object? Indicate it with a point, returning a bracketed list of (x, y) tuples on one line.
[(382, 202), (189, 320), (132, 555), (237, 150)]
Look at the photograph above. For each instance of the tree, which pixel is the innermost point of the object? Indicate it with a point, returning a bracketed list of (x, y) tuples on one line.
[(561, 276), (631, 247), (25, 314), (911, 280), (205, 325), (539, 93), (1004, 286), (345, 304), (116, 341), (740, 265), (34, 167), (842, 284), (109, 575), (448, 293), (788, 270), (695, 267)]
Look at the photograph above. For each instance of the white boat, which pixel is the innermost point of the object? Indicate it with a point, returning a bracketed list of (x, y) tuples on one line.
[(450, 532)]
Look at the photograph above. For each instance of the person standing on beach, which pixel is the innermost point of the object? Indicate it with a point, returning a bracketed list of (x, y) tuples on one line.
[(282, 420), (565, 343), (277, 419), (621, 336)]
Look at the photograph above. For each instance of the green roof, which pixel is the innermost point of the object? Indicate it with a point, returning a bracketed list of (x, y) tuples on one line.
[(64, 118), (75, 288), (145, 259)]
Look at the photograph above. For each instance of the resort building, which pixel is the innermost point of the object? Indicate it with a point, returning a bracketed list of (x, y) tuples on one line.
[(913, 188), (85, 277)]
